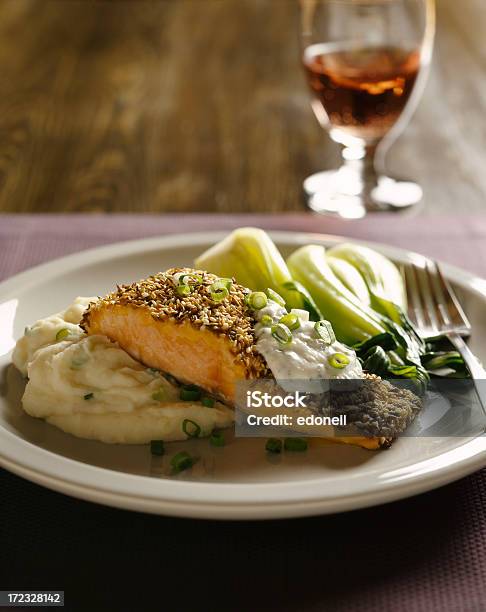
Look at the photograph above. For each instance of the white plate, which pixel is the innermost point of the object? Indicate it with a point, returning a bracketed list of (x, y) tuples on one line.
[(236, 482)]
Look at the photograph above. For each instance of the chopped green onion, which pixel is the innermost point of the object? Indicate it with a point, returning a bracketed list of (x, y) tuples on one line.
[(183, 290), (182, 461), (191, 428), (282, 334), (257, 300), (220, 289), (266, 320), (61, 334), (208, 402), (291, 321), (276, 297), (302, 314), (153, 371), (324, 331), (297, 445), (217, 439), (89, 396), (159, 396), (338, 360), (227, 282), (157, 447), (185, 279), (273, 445), (190, 393)]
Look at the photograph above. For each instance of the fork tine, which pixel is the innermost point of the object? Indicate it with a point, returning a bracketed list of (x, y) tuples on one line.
[(414, 305), (426, 296), (438, 294), (455, 310)]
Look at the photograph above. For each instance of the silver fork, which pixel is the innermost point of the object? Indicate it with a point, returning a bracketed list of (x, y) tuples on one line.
[(434, 309)]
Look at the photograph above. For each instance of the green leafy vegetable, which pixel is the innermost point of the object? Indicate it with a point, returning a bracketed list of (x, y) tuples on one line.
[(352, 320), (250, 255), (350, 278), (376, 361), (382, 278)]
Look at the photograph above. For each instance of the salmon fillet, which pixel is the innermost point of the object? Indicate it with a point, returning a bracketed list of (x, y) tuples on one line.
[(195, 339)]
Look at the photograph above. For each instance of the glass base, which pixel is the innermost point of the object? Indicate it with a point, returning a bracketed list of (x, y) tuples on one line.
[(351, 195)]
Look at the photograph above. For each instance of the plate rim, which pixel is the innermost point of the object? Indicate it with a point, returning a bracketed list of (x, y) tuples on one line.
[(176, 497)]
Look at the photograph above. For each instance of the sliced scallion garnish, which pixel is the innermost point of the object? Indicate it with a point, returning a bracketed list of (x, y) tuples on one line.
[(282, 334), (187, 278), (266, 320), (183, 290), (157, 447), (302, 314), (273, 445), (208, 402), (324, 331), (220, 289), (182, 461), (295, 445), (89, 396), (191, 428), (276, 297), (338, 361), (291, 321), (62, 334), (257, 300), (217, 439), (190, 393)]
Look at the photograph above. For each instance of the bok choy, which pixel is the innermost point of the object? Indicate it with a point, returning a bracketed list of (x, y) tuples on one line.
[(250, 255), (381, 276), (358, 290), (352, 320)]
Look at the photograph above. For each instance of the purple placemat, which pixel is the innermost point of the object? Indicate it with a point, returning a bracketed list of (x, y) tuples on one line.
[(26, 240), (423, 554)]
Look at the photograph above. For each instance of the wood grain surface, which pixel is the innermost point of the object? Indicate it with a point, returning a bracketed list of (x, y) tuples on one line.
[(201, 105)]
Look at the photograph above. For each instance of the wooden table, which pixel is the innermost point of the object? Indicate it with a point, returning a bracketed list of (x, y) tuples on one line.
[(201, 105)]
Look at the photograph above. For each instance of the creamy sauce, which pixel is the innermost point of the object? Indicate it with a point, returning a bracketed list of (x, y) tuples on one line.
[(90, 387), (306, 357)]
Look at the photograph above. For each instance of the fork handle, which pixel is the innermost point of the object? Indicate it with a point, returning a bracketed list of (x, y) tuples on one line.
[(475, 368)]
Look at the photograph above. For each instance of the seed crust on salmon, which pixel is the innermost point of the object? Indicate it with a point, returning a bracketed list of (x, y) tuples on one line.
[(193, 337)]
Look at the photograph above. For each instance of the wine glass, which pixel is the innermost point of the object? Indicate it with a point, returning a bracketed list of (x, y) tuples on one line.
[(366, 63)]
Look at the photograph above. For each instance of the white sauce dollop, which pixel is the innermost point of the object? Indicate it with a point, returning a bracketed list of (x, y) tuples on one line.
[(306, 357)]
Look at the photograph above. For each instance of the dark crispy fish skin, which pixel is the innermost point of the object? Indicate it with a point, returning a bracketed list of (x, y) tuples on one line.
[(378, 408)]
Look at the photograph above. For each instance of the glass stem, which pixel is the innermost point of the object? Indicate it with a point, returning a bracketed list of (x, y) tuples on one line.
[(360, 161)]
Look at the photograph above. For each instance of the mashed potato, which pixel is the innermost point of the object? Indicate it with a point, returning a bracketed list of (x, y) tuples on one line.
[(89, 387)]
